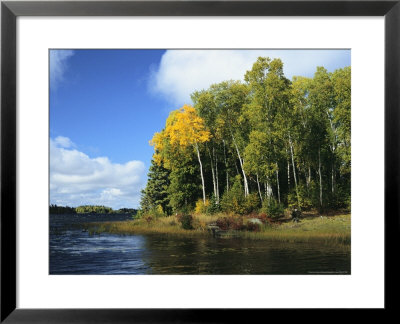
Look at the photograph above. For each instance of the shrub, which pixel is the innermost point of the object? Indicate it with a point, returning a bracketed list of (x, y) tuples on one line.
[(148, 219), (223, 223), (340, 199), (186, 221), (138, 215), (230, 223), (213, 207), (252, 203), (253, 227), (234, 201), (154, 212), (307, 197), (201, 207), (197, 224), (272, 208)]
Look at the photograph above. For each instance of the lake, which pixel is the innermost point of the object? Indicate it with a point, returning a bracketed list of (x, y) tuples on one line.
[(73, 251)]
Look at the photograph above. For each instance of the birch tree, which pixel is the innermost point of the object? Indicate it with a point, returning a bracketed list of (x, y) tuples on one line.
[(184, 129)]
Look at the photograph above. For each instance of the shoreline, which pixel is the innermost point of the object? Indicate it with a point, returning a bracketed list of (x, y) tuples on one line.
[(322, 228)]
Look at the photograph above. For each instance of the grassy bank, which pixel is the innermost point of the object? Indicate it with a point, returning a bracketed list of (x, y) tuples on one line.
[(329, 229), (163, 225), (312, 227)]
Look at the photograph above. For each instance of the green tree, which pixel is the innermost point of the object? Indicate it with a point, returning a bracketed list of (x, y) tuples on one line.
[(184, 129), (229, 127), (341, 80), (156, 192), (247, 137), (269, 97)]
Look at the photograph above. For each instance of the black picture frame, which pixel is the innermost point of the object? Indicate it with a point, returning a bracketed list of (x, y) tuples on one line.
[(10, 10)]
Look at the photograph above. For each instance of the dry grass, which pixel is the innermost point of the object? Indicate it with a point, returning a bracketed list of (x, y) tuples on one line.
[(163, 225), (325, 229), (333, 229)]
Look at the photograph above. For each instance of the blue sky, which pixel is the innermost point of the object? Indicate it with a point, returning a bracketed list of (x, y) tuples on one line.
[(105, 106)]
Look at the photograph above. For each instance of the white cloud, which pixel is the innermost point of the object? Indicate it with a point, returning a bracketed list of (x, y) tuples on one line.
[(183, 71), (62, 141), (58, 65), (76, 179)]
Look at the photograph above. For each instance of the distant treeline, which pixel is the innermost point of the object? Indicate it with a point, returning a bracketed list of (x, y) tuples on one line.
[(89, 209), (54, 209)]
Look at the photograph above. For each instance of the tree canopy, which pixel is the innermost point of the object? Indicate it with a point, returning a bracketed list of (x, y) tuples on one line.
[(270, 140)]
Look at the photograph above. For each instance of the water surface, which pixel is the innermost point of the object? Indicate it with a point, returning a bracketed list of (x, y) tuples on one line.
[(75, 252)]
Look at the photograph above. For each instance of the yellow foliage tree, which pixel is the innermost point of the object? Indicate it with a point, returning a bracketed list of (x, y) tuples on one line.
[(184, 128)]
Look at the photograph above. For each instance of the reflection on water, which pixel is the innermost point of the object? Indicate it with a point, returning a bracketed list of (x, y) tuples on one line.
[(75, 252), (237, 256)]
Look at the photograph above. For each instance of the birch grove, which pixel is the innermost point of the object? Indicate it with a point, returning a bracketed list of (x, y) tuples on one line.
[(288, 138)]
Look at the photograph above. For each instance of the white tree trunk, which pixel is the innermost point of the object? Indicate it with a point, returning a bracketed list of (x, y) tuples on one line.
[(269, 190), (213, 175), (246, 186), (259, 190), (294, 171), (226, 169), (277, 183), (333, 179), (265, 190), (201, 173), (216, 179), (288, 172), (320, 176), (333, 147)]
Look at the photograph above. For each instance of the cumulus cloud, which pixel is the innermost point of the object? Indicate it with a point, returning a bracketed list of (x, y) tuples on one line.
[(58, 66), (77, 179), (183, 71), (62, 141)]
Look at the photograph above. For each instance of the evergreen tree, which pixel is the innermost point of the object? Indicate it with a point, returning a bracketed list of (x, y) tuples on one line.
[(156, 192)]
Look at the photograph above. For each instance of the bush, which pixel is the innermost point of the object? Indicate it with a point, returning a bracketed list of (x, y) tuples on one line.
[(272, 208), (201, 207), (340, 199), (213, 207), (138, 215), (230, 223), (252, 227), (155, 212), (148, 219), (234, 201), (197, 224), (307, 197), (223, 223), (186, 221), (252, 203)]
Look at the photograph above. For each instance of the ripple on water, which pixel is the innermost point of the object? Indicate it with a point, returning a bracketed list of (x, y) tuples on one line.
[(75, 252)]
